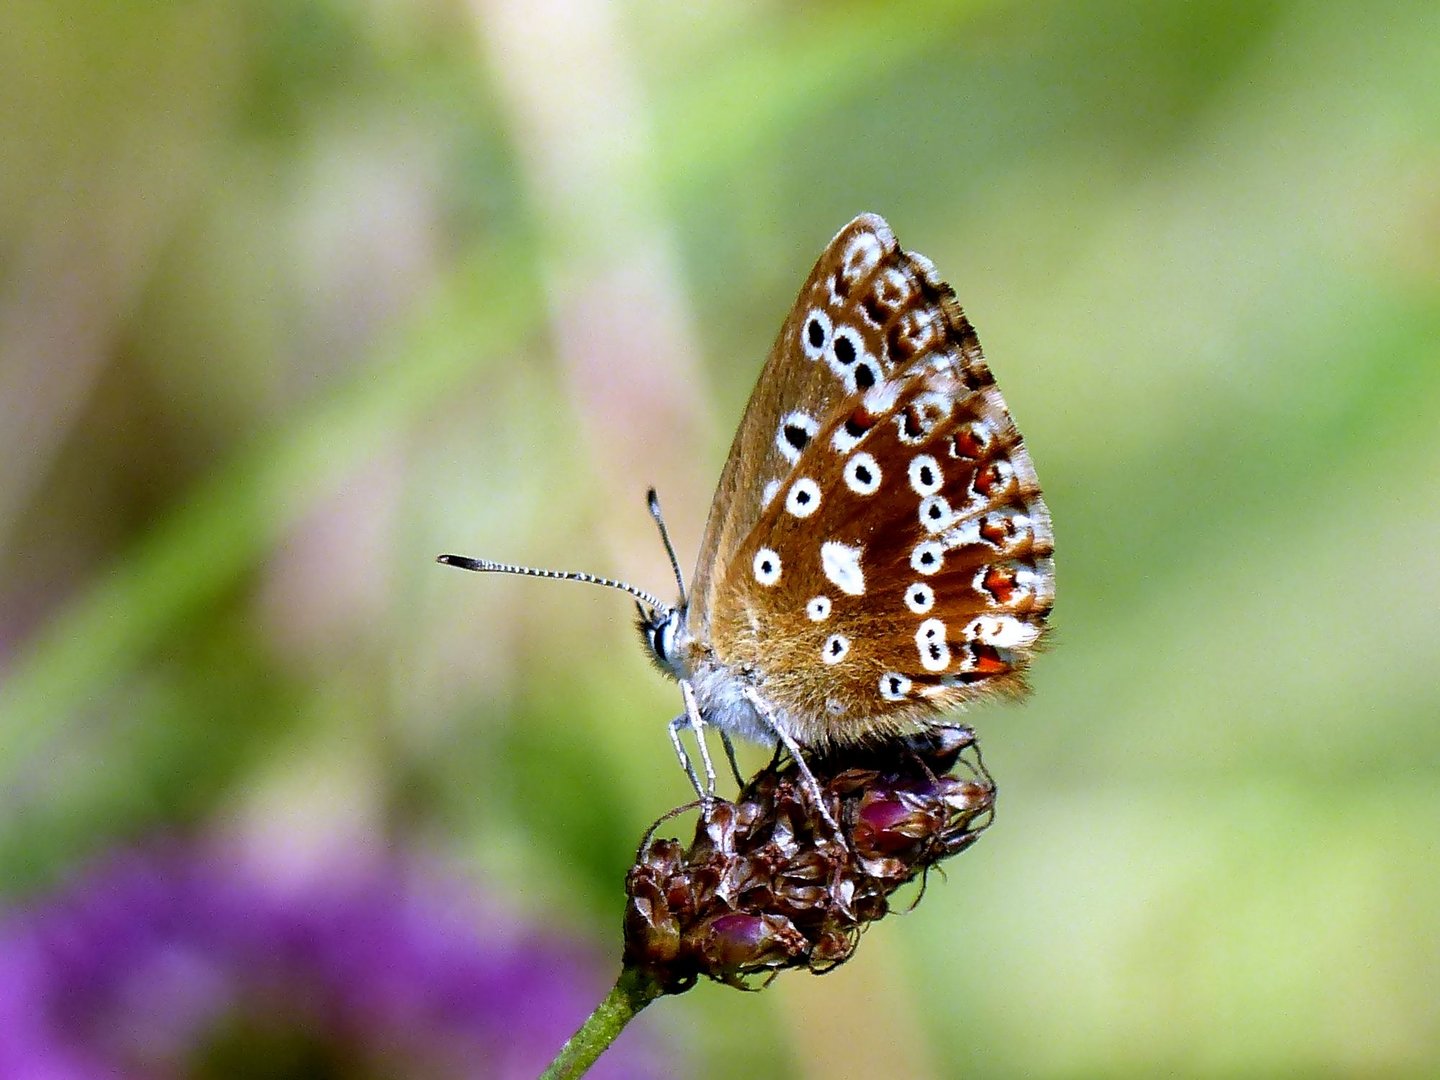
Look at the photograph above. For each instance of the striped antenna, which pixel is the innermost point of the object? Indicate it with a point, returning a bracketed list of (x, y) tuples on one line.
[(486, 566), (653, 501)]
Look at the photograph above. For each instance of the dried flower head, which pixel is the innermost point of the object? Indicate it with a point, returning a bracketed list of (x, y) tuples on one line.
[(766, 885)]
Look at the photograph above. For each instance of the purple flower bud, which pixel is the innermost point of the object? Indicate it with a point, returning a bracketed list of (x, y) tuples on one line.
[(737, 944), (193, 965)]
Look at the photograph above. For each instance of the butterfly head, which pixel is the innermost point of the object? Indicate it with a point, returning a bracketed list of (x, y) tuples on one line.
[(663, 631)]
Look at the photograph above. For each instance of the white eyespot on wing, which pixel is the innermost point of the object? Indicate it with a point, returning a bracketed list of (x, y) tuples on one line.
[(934, 407), (930, 642), (767, 567), (841, 564), (835, 648), (867, 374), (815, 333), (1001, 631), (919, 329), (804, 497), (927, 557), (818, 608), (1026, 580), (892, 290), (881, 399), (919, 598), (894, 686), (935, 513), (771, 490), (935, 656), (862, 474), (794, 434), (925, 475), (861, 255), (919, 419), (847, 436), (850, 361)]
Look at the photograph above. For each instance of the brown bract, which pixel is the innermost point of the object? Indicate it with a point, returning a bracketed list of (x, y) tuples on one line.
[(765, 885)]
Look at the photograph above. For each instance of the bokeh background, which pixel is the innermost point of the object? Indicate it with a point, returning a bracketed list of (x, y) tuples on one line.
[(295, 294)]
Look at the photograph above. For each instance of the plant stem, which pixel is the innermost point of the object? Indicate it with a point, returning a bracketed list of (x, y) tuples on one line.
[(631, 993)]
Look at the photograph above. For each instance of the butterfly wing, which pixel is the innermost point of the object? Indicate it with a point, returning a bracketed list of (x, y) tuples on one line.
[(899, 562), (804, 380)]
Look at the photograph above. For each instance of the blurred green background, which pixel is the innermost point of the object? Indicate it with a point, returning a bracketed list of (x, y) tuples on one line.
[(295, 295)]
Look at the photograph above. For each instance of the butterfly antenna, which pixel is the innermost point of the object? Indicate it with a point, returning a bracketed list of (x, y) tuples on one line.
[(486, 566), (653, 501)]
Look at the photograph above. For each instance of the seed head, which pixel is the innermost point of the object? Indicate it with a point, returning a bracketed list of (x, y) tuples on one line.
[(766, 885)]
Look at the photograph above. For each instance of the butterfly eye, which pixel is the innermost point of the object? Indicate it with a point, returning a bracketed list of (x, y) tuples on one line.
[(661, 636)]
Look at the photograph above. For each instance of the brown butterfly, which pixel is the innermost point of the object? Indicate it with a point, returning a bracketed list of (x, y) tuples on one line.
[(878, 550)]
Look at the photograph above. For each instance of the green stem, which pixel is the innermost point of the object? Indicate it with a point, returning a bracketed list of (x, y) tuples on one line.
[(631, 993)]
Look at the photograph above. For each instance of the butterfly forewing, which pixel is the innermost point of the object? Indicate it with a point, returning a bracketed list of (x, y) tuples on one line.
[(807, 376), (896, 559)]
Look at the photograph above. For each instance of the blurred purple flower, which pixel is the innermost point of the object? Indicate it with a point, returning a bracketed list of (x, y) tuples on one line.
[(180, 965)]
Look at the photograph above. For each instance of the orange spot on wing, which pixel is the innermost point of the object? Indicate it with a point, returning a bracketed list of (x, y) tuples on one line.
[(999, 582)]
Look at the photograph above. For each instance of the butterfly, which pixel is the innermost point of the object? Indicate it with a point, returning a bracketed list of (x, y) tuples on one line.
[(878, 551)]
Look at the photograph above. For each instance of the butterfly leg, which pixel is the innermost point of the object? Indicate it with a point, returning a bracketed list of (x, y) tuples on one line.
[(692, 719), (730, 754), (683, 721), (811, 784)]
